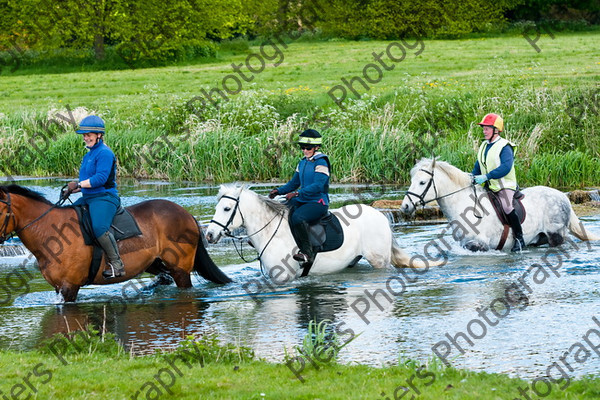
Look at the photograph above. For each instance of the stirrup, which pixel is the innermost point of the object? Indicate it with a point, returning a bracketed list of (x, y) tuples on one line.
[(113, 272), (301, 257)]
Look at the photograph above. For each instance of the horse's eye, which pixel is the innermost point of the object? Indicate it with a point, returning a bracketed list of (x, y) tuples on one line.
[(422, 183), (227, 209)]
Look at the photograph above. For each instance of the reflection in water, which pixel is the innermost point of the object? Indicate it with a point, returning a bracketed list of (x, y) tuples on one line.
[(141, 328), (319, 302), (441, 301)]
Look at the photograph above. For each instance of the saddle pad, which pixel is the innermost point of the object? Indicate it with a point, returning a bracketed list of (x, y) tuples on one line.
[(327, 234), (123, 225)]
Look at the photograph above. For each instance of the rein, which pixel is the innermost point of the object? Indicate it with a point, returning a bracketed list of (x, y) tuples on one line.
[(431, 182), (5, 235), (242, 238)]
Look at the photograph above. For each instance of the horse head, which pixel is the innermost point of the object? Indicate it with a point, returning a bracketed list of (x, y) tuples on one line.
[(227, 213), (7, 217), (422, 188)]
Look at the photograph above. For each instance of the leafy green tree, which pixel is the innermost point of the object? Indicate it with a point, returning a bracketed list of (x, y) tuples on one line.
[(536, 10), (386, 19)]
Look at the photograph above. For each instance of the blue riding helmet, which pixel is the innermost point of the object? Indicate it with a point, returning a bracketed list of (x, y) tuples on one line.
[(91, 124)]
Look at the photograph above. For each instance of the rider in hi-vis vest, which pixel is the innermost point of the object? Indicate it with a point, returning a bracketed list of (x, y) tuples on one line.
[(495, 170)]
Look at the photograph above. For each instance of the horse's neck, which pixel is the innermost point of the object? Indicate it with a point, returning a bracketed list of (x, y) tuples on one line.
[(45, 231), (261, 219), (454, 197)]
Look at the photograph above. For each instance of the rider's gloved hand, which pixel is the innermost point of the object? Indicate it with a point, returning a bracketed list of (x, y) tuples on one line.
[(273, 193), (291, 195), (479, 179), (73, 187)]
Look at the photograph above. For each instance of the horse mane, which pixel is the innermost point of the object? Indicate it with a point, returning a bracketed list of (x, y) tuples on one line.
[(228, 189), (457, 176), (273, 204), (23, 191)]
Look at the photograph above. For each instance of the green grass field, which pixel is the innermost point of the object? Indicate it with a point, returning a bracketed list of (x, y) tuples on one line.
[(427, 104), (100, 376), (569, 60)]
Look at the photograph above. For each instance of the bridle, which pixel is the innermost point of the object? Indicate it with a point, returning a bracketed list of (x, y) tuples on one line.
[(226, 226), (6, 235), (228, 233), (9, 235), (421, 197)]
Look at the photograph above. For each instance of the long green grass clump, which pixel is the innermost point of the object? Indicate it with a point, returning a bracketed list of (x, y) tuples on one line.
[(426, 106), (375, 139)]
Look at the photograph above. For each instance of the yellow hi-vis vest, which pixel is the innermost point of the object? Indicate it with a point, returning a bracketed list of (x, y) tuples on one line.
[(492, 161)]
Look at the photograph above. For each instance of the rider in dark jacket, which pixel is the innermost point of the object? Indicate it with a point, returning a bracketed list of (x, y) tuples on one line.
[(98, 186), (311, 202)]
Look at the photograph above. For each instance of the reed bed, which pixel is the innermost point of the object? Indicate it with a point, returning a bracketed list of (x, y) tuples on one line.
[(375, 139)]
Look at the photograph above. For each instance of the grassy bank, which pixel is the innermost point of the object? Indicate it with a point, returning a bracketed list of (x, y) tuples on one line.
[(425, 105), (102, 376)]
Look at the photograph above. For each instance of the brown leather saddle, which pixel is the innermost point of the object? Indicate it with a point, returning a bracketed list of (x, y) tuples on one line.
[(497, 205)]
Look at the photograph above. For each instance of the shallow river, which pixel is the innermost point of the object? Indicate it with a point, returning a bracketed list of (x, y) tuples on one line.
[(538, 326)]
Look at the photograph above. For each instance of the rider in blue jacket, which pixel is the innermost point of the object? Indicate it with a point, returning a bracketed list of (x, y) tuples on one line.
[(98, 186), (311, 201)]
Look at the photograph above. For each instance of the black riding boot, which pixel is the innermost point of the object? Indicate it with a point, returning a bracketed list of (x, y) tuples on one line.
[(113, 259), (305, 255), (515, 224)]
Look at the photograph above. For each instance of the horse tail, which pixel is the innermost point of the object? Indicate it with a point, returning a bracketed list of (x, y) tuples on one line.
[(576, 227), (401, 259), (205, 266)]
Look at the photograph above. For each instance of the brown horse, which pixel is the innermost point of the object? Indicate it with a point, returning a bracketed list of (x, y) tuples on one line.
[(171, 241)]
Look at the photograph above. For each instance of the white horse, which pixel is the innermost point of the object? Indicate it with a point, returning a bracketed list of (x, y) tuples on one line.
[(367, 234), (474, 222)]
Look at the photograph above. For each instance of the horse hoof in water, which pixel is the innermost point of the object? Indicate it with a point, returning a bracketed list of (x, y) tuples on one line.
[(475, 246)]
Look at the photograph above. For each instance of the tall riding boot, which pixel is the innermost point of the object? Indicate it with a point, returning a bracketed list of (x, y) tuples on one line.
[(515, 224), (113, 259), (305, 255)]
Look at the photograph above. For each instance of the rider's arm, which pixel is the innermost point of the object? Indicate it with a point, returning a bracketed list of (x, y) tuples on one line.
[(320, 180), (292, 185), (506, 163), (476, 169)]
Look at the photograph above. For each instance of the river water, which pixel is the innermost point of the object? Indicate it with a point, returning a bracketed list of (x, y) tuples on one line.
[(408, 315)]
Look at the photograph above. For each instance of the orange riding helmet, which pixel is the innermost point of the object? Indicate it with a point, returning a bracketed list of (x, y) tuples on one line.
[(493, 120)]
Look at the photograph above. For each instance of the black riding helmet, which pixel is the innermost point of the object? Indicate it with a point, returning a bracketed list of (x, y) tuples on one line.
[(310, 137)]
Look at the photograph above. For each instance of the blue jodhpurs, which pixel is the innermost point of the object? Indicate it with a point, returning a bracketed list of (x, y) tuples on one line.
[(103, 207), (305, 212)]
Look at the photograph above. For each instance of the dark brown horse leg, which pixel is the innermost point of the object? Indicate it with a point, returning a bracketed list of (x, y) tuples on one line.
[(181, 278), (69, 292)]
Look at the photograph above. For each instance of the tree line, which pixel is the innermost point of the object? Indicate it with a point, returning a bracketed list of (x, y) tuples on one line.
[(138, 30)]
